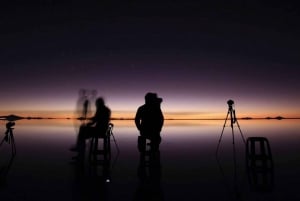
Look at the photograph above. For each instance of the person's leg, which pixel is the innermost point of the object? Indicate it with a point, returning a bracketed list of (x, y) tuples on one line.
[(141, 143), (84, 133), (155, 142)]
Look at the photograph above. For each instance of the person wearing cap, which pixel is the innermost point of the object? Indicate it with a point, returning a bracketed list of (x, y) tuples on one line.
[(149, 121)]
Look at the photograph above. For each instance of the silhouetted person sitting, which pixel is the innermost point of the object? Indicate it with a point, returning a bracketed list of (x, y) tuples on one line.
[(149, 120), (96, 127)]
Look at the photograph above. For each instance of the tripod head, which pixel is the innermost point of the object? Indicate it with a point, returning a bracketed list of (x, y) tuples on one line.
[(9, 136), (230, 104), (232, 111), (9, 126)]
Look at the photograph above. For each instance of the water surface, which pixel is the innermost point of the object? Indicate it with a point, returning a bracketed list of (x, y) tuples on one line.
[(186, 169)]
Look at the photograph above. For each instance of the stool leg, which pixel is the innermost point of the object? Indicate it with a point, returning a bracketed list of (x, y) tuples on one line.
[(141, 143), (91, 152), (105, 148), (93, 149), (108, 146)]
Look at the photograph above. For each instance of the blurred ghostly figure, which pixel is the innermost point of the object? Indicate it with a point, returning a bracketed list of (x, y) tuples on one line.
[(83, 105), (149, 120), (86, 104)]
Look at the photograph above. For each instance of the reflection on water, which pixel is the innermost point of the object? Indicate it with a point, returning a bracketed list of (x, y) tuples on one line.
[(149, 174), (187, 168), (259, 164)]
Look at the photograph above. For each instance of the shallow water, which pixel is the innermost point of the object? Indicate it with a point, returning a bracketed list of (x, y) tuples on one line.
[(186, 169)]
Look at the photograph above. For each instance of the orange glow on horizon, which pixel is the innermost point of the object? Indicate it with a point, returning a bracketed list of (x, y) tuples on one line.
[(245, 124), (131, 115)]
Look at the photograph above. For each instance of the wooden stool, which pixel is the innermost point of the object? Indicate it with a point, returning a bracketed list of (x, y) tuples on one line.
[(258, 153), (97, 150)]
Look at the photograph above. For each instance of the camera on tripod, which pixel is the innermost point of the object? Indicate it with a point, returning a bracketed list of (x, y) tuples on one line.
[(9, 127), (230, 103), (9, 136), (232, 111), (10, 124), (232, 117)]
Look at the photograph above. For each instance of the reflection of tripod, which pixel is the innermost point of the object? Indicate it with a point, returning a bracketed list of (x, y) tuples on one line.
[(233, 120), (9, 137), (110, 133)]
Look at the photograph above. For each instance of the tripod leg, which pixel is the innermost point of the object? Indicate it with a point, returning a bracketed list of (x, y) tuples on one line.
[(111, 133), (2, 141), (13, 145), (232, 131), (241, 132), (222, 133)]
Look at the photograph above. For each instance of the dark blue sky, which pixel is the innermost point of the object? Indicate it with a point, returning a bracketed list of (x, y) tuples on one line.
[(195, 55)]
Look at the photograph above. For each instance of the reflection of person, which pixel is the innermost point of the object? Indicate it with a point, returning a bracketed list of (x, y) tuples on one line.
[(149, 120), (96, 127), (149, 174)]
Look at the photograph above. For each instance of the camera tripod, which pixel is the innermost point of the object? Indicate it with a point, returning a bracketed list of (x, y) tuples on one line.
[(9, 137), (233, 120), (110, 133)]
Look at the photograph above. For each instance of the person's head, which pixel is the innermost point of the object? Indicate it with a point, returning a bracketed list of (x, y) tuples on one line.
[(100, 102), (151, 98)]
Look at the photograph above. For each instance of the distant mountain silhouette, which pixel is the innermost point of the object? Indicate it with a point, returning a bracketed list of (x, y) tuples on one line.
[(279, 118), (11, 117), (247, 118)]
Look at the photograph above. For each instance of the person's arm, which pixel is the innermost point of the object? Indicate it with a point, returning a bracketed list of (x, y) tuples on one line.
[(92, 122), (137, 119), (94, 119), (161, 120)]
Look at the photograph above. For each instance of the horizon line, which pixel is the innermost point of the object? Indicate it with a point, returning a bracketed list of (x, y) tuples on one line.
[(16, 117)]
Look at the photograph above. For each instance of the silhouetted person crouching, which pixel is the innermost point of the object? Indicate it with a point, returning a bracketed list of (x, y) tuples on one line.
[(149, 121)]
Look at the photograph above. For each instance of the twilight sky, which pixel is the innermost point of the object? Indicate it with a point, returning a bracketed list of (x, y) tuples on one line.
[(196, 56)]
